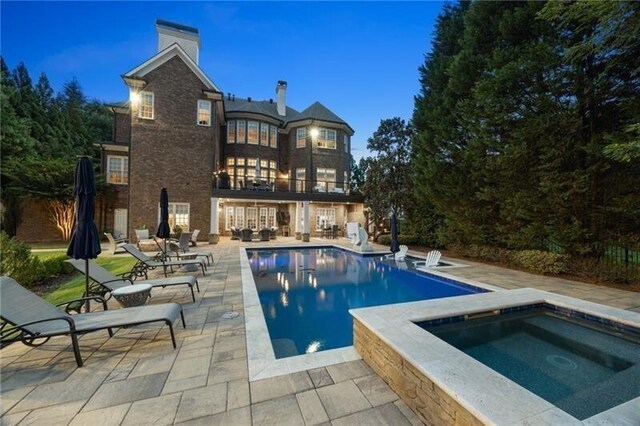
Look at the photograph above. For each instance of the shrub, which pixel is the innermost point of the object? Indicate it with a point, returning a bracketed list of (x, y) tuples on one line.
[(543, 262), (385, 240), (17, 262), (55, 264)]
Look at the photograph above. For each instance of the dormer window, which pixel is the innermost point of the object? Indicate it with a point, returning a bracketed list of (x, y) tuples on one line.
[(146, 109), (327, 139), (204, 113)]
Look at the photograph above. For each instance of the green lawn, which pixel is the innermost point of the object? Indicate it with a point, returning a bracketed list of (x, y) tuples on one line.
[(74, 287)]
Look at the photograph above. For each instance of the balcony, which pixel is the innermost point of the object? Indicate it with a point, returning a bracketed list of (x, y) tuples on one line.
[(285, 190)]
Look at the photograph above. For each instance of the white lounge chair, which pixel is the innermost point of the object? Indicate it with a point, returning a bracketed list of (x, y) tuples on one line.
[(400, 254), (432, 259), (362, 241)]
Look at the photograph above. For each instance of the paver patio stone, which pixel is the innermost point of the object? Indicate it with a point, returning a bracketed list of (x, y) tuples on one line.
[(348, 370), (375, 390), (153, 365), (282, 411), (160, 410), (202, 402), (13, 419), (108, 416), (342, 399), (406, 411), (116, 393), (320, 377), (189, 367), (57, 415), (384, 415), (237, 417), (226, 371), (311, 408), (275, 387), (11, 397), (238, 394), (38, 375), (184, 384)]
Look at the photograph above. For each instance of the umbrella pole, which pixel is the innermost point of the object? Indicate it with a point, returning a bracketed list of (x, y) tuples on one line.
[(86, 283)]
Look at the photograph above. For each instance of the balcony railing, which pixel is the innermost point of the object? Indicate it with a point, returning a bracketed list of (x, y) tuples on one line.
[(282, 185)]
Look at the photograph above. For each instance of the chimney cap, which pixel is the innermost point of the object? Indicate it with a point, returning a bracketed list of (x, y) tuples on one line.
[(177, 27), (282, 83)]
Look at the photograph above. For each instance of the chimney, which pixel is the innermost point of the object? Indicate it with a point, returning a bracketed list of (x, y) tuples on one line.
[(187, 37), (281, 91)]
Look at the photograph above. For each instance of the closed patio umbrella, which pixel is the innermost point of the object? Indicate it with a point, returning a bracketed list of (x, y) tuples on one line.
[(395, 245), (163, 227), (85, 242)]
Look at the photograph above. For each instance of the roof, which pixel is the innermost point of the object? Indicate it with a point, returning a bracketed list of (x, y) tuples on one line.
[(120, 104), (317, 111), (267, 108), (165, 55), (177, 27)]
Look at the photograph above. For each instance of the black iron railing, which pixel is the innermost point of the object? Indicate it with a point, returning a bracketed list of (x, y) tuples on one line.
[(250, 183)]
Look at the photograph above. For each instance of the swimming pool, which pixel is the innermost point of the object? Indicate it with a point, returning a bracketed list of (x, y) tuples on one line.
[(306, 293)]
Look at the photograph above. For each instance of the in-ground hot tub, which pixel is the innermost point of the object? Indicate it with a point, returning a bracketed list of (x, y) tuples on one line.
[(519, 356)]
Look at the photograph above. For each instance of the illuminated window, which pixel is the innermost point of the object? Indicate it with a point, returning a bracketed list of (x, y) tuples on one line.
[(346, 181), (231, 131), (264, 134), (146, 105), (300, 179), (231, 217), (240, 217), (117, 169), (301, 138), (204, 113), (252, 132), (326, 179), (179, 215), (252, 218), (327, 139), (242, 134), (325, 218), (273, 136), (231, 161), (271, 219)]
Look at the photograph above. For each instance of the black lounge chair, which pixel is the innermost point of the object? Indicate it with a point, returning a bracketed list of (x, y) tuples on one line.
[(145, 262), (27, 318), (265, 234), (247, 235), (180, 248), (109, 282)]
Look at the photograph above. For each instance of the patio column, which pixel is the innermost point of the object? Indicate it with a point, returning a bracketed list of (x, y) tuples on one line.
[(214, 232), (297, 229), (305, 218)]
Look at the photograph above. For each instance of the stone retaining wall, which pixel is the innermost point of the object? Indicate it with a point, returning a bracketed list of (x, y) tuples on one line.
[(426, 399)]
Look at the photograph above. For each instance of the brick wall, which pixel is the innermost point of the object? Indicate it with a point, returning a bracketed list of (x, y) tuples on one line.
[(171, 150), (36, 225), (121, 127), (424, 397)]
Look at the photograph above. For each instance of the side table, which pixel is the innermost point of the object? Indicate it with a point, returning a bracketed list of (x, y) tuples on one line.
[(132, 295)]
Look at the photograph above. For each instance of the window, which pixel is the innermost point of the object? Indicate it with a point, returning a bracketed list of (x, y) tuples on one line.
[(271, 219), (230, 218), (326, 179), (252, 217), (264, 211), (273, 136), (231, 131), (241, 134), (179, 215), (204, 113), (146, 105), (327, 139), (117, 169), (345, 138), (264, 134), (300, 179), (301, 138), (231, 161), (240, 217), (325, 218), (346, 181), (252, 132)]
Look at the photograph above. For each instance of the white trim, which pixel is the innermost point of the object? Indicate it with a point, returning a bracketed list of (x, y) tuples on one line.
[(123, 173), (163, 57), (198, 112), (153, 106)]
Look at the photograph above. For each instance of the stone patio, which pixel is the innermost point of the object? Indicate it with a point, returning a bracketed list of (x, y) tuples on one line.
[(136, 377)]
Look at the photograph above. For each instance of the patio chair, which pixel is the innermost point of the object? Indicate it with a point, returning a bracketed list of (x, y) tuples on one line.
[(27, 318), (194, 238), (400, 254), (145, 262), (247, 234), (273, 233), (235, 233), (109, 282), (183, 248), (432, 259), (113, 243), (265, 234)]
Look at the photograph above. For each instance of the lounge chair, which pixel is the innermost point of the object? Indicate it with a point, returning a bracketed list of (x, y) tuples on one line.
[(362, 241), (432, 259), (113, 243), (194, 238), (265, 234), (110, 282), (400, 254), (145, 262), (27, 317), (247, 234), (183, 249)]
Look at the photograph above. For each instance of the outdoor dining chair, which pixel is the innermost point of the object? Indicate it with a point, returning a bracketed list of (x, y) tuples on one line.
[(28, 318)]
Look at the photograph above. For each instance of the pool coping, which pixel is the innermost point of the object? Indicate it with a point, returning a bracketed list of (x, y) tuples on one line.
[(489, 396), (262, 362)]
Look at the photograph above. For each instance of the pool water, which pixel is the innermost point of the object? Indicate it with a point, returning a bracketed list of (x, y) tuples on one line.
[(581, 368), (306, 294)]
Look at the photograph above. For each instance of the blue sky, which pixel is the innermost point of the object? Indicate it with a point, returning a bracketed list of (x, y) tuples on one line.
[(360, 59)]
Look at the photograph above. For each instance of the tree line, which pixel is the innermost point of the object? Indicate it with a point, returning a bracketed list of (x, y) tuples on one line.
[(41, 135), (526, 129)]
